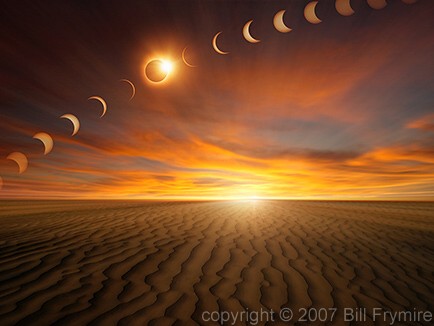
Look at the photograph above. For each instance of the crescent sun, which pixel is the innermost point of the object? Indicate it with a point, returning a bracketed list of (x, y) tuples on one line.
[(377, 4), (246, 33), (344, 8), (74, 120), (279, 24), (309, 13), (185, 60), (132, 87), (214, 44), (20, 159), (101, 100), (46, 140)]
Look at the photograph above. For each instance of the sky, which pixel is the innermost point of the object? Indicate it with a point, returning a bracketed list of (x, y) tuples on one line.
[(343, 109)]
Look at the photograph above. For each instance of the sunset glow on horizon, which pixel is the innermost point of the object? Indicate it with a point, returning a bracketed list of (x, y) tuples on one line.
[(337, 110)]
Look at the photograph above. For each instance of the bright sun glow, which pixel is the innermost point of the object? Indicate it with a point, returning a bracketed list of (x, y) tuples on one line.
[(247, 199), (166, 66)]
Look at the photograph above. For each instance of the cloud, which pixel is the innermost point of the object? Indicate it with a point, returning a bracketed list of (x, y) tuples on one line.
[(425, 123)]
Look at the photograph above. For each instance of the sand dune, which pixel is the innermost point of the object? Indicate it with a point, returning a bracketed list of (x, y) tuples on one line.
[(139, 263)]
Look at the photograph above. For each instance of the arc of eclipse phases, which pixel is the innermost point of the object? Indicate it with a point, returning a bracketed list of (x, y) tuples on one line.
[(309, 13), (132, 87), (214, 44), (185, 60), (279, 24), (377, 4), (246, 33), (344, 8), (46, 140), (20, 159), (101, 100), (74, 120)]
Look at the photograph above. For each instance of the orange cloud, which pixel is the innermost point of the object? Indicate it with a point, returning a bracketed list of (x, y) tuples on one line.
[(425, 123)]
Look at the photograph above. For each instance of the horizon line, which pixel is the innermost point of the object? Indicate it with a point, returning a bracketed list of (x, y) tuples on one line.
[(203, 199)]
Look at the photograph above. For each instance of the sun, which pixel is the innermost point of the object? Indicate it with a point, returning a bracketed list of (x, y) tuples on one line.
[(157, 70), (166, 66)]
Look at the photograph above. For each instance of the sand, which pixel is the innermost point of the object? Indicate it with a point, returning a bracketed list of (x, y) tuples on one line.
[(151, 263)]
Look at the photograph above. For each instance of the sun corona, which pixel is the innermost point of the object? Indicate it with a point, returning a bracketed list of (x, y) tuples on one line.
[(157, 70)]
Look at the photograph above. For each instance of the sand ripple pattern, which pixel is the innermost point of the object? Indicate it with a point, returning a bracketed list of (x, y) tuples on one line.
[(152, 263)]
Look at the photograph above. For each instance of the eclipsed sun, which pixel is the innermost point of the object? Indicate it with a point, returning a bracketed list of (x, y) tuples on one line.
[(158, 70)]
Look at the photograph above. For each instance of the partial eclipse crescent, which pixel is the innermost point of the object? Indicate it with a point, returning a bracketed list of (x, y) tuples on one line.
[(185, 60), (377, 4), (46, 140), (20, 159), (309, 13), (246, 33), (344, 8), (214, 44), (74, 120), (101, 100), (279, 24), (133, 88)]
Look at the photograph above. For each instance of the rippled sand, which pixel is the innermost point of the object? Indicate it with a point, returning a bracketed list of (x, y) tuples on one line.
[(138, 263)]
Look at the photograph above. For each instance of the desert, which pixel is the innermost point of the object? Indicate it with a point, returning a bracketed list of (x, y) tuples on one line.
[(175, 263)]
